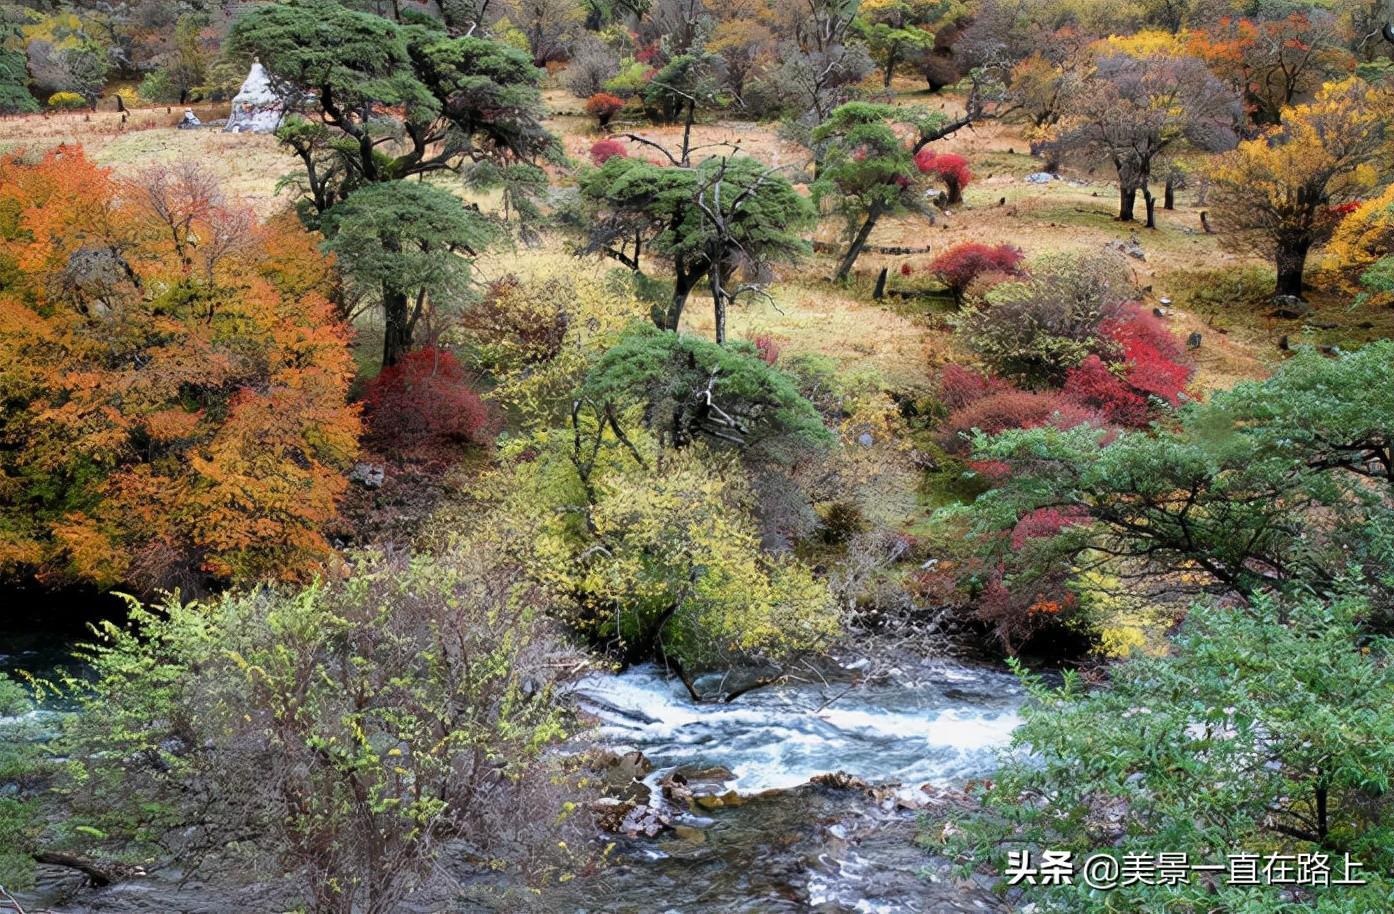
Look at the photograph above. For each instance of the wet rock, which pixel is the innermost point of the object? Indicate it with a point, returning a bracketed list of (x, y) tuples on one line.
[(718, 800), (714, 773), (611, 812), (690, 834), (839, 780), (674, 789), (646, 821), (627, 764)]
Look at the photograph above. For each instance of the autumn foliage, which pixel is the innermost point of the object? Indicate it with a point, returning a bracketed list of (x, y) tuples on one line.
[(1137, 367), (998, 412), (767, 348), (960, 386), (175, 386), (603, 151), (948, 167), (1095, 384), (603, 106), (426, 399), (957, 267)]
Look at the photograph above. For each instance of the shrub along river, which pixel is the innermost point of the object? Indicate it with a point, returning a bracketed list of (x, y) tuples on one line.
[(798, 797)]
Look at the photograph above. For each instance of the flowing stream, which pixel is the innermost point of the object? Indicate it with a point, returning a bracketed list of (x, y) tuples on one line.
[(787, 845), (775, 843), (939, 724)]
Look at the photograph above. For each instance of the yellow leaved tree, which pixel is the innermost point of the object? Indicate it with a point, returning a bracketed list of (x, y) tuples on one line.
[(653, 552), (1284, 192), (1363, 238)]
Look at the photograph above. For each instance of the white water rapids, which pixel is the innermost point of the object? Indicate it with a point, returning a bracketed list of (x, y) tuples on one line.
[(938, 724)]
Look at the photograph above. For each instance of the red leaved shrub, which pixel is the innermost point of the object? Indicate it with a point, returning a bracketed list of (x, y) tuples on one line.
[(603, 106), (957, 267), (950, 168), (959, 386), (1045, 522), (766, 348), (1093, 384), (1136, 324), (425, 399), (1153, 373), (1011, 409), (1150, 352), (603, 151)]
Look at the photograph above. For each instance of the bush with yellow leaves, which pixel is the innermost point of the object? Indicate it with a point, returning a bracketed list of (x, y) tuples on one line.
[(654, 553)]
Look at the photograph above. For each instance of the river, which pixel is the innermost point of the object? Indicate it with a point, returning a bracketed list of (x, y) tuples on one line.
[(777, 843)]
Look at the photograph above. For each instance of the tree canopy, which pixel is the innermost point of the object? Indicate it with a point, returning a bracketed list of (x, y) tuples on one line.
[(393, 100), (1281, 192), (175, 382), (409, 242), (724, 219), (1263, 731)]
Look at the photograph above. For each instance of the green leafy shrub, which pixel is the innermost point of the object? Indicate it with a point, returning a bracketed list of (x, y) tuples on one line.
[(345, 733), (20, 765), (1265, 730), (1035, 330), (653, 553), (692, 388)]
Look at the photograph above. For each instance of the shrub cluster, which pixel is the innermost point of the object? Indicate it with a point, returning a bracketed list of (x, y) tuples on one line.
[(959, 266), (425, 400)]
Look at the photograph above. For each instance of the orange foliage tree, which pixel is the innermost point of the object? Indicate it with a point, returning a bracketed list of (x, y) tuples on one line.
[(174, 382)]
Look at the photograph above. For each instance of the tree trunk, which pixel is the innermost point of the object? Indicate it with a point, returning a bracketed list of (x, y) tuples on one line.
[(1127, 197), (396, 333), (1323, 822), (1169, 195), (1291, 261), (1151, 203), (955, 192), (718, 288), (859, 242), (683, 283), (880, 291)]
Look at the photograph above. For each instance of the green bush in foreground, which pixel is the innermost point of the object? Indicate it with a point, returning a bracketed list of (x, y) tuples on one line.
[(344, 735), (1268, 730)]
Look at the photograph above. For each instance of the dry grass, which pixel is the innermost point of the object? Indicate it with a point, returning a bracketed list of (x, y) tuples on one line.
[(806, 313), (248, 165)]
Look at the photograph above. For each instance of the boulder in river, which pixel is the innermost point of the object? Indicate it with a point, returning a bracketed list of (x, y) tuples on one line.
[(839, 780)]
